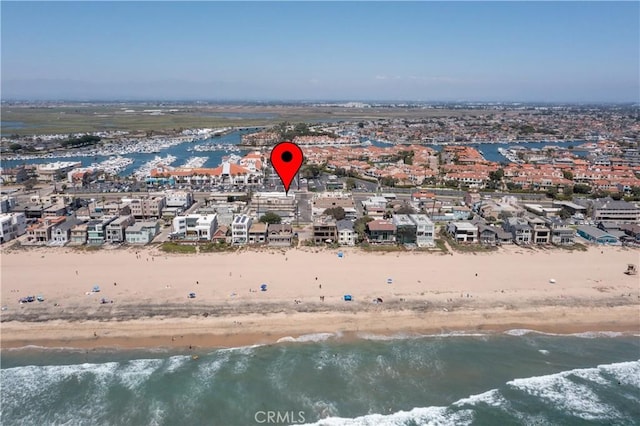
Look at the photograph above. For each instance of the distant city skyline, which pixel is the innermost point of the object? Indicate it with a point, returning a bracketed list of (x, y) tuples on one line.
[(418, 51)]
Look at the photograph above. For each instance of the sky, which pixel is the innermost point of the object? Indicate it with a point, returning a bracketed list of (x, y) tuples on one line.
[(414, 51)]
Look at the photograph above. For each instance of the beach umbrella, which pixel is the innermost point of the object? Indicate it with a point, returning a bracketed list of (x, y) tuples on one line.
[(340, 254), (263, 287), (389, 280), (347, 298)]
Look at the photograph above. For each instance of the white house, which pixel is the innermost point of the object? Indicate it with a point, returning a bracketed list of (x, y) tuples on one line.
[(142, 232), (195, 226), (425, 230), (463, 232), (240, 229), (12, 225), (346, 234), (61, 233)]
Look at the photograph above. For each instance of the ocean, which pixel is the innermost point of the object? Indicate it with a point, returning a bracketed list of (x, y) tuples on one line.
[(512, 378)]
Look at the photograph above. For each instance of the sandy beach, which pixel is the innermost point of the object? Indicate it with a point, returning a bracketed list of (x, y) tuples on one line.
[(420, 293)]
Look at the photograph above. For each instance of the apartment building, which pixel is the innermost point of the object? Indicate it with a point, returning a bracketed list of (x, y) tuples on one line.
[(12, 225), (195, 226), (147, 207), (240, 229)]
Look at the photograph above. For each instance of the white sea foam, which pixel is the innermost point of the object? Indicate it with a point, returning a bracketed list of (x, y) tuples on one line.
[(585, 335), (440, 416), (315, 337), (563, 391), (403, 336), (491, 397), (543, 351)]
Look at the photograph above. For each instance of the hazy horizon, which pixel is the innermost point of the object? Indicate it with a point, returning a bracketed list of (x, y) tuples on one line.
[(548, 52)]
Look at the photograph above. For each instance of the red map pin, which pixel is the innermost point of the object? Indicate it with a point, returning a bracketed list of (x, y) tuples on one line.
[(286, 158)]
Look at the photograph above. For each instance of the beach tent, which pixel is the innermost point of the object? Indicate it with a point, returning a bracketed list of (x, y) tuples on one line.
[(40, 298), (263, 287), (96, 288), (347, 298)]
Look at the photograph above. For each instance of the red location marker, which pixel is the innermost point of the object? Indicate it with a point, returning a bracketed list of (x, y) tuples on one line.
[(286, 158)]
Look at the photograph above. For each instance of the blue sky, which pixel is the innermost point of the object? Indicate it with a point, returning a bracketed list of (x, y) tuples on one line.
[(504, 51)]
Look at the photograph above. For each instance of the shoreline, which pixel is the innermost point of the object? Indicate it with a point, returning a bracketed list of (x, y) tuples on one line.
[(268, 329)]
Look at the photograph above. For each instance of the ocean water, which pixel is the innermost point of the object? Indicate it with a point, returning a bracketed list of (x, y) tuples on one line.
[(518, 377)]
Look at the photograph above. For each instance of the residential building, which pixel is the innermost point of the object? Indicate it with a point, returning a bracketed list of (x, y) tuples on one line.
[(97, 230), (116, 229), (61, 233), (463, 232), (179, 199), (425, 230), (561, 233), (608, 209), (12, 225), (258, 233), (51, 172), (79, 234), (7, 203), (381, 232), (146, 207), (406, 229), (279, 235), (632, 231), (374, 206), (346, 234), (222, 234), (280, 203), (520, 230), (325, 230), (540, 234), (331, 200), (195, 226), (40, 232), (597, 236), (240, 229), (142, 232)]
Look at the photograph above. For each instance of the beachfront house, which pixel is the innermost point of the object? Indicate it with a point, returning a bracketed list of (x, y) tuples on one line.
[(406, 229), (520, 230), (325, 230), (142, 232), (97, 230), (346, 234), (61, 233), (222, 235), (40, 232), (540, 234), (195, 226), (463, 232), (257, 233), (597, 236), (492, 235), (240, 229), (381, 232), (561, 233), (116, 229), (279, 235), (78, 235), (425, 230), (12, 225)]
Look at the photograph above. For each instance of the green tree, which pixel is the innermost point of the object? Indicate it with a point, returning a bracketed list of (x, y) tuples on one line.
[(30, 183), (388, 181), (564, 214), (581, 188), (15, 147), (567, 174), (336, 212), (350, 183), (405, 208), (360, 226), (270, 218), (497, 175)]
